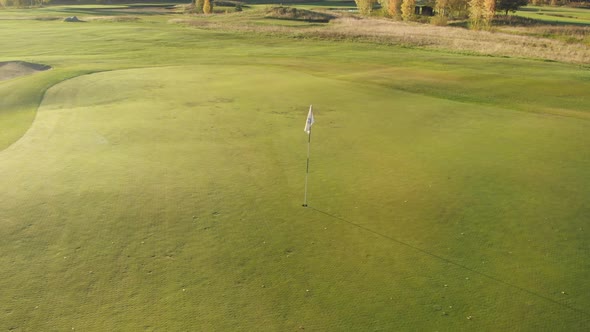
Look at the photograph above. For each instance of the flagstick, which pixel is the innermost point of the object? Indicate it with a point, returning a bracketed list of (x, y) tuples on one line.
[(307, 169)]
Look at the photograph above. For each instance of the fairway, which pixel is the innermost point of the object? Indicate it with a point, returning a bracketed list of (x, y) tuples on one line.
[(157, 186), (557, 15)]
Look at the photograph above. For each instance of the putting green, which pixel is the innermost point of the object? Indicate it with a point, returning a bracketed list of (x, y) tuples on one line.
[(170, 198)]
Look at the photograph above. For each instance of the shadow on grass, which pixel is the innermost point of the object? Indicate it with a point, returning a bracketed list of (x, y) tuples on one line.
[(446, 260)]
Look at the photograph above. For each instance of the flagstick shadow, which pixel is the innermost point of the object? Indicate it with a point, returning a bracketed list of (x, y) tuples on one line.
[(485, 275)]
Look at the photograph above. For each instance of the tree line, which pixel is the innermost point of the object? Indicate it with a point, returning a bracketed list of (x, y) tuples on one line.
[(199, 6), (21, 3), (479, 12)]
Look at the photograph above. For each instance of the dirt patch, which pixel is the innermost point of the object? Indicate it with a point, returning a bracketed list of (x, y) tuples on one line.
[(12, 69)]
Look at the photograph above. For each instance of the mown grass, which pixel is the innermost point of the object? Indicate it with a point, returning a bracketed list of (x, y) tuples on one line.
[(557, 15), (568, 34), (19, 100), (162, 190), (571, 26)]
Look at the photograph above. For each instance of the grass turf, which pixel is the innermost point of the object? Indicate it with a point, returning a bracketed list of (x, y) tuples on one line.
[(162, 189), (557, 15)]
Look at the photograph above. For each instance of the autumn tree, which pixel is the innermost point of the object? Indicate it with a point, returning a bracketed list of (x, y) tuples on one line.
[(452, 9), (408, 7), (365, 7), (199, 6), (440, 7), (489, 10), (440, 10), (393, 8), (476, 12), (207, 7)]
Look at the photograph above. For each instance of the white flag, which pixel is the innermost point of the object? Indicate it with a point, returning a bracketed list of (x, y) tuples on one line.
[(309, 121)]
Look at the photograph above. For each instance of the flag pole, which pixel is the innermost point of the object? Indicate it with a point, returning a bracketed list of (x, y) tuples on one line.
[(307, 129), (307, 168)]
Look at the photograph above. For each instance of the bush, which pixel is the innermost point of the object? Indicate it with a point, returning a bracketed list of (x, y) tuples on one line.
[(290, 13), (439, 20)]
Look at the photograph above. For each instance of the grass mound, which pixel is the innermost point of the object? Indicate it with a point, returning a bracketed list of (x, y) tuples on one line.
[(290, 13)]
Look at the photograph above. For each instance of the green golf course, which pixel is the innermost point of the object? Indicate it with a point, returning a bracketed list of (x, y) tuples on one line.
[(153, 178)]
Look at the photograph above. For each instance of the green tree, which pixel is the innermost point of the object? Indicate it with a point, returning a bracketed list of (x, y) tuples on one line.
[(510, 5)]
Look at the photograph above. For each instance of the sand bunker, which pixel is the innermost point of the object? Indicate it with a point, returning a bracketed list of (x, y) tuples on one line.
[(12, 69)]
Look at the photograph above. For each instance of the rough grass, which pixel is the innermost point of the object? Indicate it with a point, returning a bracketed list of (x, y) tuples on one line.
[(516, 36), (418, 35), (480, 42), (569, 33)]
